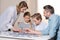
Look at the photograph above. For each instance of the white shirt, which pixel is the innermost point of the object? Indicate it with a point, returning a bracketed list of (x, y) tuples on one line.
[(41, 26), (7, 18)]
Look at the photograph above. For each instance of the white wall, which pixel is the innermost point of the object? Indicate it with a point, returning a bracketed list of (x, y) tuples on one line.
[(32, 6), (54, 3), (6, 3)]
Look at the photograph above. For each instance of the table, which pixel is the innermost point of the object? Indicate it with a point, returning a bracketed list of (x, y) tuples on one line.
[(19, 36)]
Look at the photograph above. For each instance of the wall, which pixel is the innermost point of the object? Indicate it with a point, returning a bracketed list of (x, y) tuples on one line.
[(6, 3), (54, 3)]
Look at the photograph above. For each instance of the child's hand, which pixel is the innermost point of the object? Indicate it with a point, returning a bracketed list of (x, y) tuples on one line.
[(27, 29)]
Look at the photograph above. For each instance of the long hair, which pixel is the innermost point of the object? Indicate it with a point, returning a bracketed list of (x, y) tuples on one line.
[(22, 4)]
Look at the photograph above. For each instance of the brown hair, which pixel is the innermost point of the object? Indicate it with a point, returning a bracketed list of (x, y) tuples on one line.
[(37, 15), (50, 8), (26, 14), (23, 4)]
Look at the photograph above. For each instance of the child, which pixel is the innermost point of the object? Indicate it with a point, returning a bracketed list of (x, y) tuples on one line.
[(39, 24), (27, 21)]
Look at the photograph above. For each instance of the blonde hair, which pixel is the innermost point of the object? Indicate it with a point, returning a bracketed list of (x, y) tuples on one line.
[(37, 16), (22, 4)]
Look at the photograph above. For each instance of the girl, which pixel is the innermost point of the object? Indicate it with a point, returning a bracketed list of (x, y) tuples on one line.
[(27, 21)]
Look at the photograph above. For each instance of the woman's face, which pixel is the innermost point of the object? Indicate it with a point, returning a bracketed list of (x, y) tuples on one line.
[(23, 9), (27, 18)]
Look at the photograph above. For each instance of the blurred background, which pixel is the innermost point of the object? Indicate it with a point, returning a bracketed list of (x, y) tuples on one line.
[(34, 5)]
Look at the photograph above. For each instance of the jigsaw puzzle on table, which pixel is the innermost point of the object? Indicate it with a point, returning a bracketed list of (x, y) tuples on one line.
[(16, 34)]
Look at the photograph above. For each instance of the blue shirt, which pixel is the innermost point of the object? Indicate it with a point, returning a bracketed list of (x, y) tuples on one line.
[(53, 25), (25, 25)]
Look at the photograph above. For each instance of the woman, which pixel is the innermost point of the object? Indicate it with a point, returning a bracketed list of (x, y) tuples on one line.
[(9, 17)]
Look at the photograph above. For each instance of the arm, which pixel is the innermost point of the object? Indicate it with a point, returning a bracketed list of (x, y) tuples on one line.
[(8, 18), (52, 27), (30, 31), (5, 19)]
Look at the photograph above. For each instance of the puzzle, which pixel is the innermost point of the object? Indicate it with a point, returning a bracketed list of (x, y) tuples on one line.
[(16, 34)]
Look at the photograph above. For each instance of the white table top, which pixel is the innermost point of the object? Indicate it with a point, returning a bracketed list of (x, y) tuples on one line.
[(20, 36)]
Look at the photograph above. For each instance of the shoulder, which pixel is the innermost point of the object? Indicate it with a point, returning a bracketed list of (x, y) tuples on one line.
[(43, 24), (11, 8), (54, 17)]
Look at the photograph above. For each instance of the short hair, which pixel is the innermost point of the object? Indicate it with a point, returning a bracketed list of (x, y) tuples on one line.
[(26, 14), (23, 4), (50, 8), (37, 16)]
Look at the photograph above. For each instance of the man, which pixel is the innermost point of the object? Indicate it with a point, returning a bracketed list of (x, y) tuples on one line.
[(53, 23)]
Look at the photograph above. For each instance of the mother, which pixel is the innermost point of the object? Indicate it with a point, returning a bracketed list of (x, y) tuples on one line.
[(9, 17)]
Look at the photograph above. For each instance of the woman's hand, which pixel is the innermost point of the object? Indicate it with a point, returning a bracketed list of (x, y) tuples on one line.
[(15, 29)]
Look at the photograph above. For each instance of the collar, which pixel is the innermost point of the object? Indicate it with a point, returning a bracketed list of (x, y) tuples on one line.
[(51, 16)]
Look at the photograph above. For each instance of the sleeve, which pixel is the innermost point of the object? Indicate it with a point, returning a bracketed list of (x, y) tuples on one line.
[(33, 26), (52, 27), (45, 31), (6, 19), (10, 18)]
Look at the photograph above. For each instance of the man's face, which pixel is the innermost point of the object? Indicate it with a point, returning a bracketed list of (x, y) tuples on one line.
[(46, 13), (27, 18)]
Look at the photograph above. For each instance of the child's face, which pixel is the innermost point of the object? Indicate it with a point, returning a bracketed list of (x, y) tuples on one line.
[(27, 18), (37, 22)]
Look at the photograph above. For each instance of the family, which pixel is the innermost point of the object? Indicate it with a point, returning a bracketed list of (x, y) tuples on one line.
[(32, 24)]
